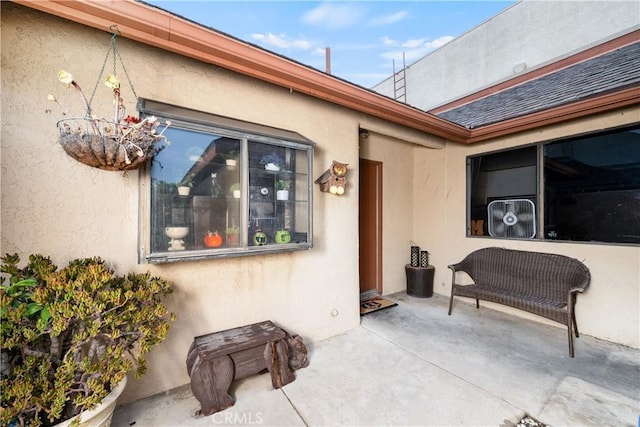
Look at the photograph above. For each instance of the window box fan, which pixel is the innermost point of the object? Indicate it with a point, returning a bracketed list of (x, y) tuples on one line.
[(515, 218)]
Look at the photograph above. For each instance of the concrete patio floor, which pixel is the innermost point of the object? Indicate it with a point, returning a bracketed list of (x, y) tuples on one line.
[(413, 365)]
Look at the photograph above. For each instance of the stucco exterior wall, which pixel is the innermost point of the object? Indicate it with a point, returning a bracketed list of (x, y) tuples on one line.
[(53, 205), (609, 309), (397, 198), (525, 36)]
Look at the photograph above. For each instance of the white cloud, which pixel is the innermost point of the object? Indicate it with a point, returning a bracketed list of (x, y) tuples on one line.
[(334, 16), (281, 41), (416, 48), (388, 41), (388, 19), (440, 41), (413, 43)]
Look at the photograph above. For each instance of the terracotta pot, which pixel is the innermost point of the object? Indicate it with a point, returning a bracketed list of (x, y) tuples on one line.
[(233, 239)]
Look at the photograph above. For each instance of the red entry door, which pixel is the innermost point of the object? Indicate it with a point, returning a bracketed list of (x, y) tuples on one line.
[(370, 227)]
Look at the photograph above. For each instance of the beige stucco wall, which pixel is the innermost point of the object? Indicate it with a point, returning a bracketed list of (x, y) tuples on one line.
[(609, 309), (399, 194), (53, 205)]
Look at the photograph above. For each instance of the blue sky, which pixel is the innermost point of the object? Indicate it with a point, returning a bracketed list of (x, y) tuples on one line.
[(364, 36)]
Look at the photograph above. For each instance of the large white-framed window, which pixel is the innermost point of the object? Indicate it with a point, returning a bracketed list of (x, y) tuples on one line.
[(578, 189), (224, 188)]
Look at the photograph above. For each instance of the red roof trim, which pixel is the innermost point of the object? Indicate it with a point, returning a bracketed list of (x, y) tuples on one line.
[(155, 27)]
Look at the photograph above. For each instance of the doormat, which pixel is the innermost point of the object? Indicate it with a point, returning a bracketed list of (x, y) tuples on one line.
[(375, 304)]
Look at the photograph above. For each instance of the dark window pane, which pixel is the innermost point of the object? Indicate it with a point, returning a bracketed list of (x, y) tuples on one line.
[(220, 190), (592, 188), (197, 162), (508, 178)]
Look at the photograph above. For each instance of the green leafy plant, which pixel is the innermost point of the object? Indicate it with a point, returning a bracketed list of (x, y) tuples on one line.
[(70, 335), (282, 184), (232, 230), (187, 181)]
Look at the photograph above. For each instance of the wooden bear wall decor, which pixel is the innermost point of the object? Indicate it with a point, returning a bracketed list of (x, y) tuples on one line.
[(334, 179)]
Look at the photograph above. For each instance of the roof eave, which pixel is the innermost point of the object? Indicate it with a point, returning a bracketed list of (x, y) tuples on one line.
[(600, 104), (155, 27)]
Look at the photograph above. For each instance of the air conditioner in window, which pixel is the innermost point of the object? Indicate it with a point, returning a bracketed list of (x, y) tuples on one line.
[(515, 218)]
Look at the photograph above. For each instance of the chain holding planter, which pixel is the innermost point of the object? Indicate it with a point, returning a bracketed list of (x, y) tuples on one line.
[(121, 144)]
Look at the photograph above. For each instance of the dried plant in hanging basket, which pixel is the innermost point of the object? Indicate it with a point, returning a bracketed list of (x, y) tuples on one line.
[(119, 144), (111, 146)]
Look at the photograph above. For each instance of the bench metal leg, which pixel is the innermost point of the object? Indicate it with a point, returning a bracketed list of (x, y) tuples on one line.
[(570, 340), (573, 315), (573, 325)]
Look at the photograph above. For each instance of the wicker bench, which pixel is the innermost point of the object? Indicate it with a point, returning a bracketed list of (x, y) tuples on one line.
[(539, 283)]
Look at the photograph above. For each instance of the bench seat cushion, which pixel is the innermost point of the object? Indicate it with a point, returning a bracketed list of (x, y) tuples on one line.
[(492, 292), (554, 310)]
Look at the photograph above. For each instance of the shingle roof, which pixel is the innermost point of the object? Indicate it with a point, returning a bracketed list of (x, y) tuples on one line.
[(611, 71)]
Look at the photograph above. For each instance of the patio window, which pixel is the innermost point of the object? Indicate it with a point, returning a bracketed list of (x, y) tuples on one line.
[(583, 189), (224, 188)]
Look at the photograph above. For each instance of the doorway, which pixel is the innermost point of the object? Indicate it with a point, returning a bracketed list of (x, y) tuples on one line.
[(370, 228)]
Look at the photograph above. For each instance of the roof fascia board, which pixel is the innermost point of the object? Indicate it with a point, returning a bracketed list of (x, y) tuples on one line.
[(172, 33), (608, 102)]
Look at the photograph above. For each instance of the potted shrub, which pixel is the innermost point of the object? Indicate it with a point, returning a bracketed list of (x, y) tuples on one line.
[(185, 185), (71, 335), (282, 189)]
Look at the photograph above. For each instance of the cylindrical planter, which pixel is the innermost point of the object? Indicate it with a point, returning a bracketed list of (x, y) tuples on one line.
[(420, 281), (415, 256), (184, 191), (424, 259), (101, 415), (282, 194)]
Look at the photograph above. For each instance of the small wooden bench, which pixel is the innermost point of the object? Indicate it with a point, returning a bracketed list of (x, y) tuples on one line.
[(539, 283), (215, 360)]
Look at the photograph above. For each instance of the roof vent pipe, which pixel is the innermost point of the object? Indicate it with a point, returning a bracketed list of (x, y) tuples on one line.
[(328, 60)]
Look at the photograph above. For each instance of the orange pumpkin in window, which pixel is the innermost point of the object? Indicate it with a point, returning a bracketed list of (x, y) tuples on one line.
[(212, 240)]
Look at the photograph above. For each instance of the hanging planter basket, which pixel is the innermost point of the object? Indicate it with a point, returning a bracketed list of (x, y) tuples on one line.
[(107, 145), (121, 144)]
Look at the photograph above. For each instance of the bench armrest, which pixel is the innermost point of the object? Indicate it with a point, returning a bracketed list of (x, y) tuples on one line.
[(456, 268)]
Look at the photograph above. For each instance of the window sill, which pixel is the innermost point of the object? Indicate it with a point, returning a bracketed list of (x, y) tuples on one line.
[(184, 256)]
